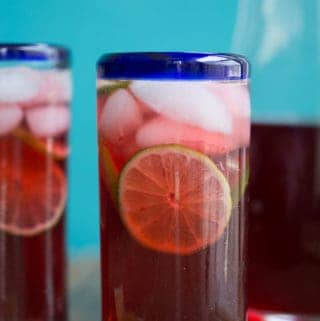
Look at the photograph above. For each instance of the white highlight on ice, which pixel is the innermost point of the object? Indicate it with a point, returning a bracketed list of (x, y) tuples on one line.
[(235, 97), (48, 121), (189, 102), (18, 84)]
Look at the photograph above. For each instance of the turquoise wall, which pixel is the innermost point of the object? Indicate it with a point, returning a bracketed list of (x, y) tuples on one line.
[(90, 28), (281, 38)]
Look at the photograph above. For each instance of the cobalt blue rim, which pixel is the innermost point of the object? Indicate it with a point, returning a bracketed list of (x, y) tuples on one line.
[(173, 65), (34, 52)]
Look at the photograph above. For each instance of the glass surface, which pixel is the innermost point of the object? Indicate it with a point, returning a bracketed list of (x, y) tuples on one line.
[(35, 93), (284, 212), (173, 159)]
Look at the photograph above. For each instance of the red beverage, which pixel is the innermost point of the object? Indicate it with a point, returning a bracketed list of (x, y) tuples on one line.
[(34, 120), (171, 197), (284, 214)]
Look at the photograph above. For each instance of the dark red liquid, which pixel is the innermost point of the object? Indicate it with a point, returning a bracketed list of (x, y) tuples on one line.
[(32, 268), (143, 284), (284, 215), (32, 274)]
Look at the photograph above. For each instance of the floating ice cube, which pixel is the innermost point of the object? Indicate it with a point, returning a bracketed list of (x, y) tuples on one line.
[(234, 95), (145, 110), (10, 118), (48, 121), (162, 130), (119, 117), (55, 88), (18, 84), (187, 102), (241, 130), (58, 86)]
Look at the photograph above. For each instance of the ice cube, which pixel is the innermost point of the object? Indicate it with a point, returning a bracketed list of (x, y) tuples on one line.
[(146, 112), (10, 118), (162, 130), (18, 84), (241, 130), (188, 102), (57, 86), (48, 121), (235, 97), (120, 117)]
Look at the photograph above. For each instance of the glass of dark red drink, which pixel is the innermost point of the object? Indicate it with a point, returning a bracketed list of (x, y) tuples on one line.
[(281, 39), (35, 93), (284, 212), (174, 131)]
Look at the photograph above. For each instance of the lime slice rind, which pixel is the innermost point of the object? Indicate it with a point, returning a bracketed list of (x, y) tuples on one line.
[(111, 88), (110, 172), (36, 188), (238, 191), (46, 147)]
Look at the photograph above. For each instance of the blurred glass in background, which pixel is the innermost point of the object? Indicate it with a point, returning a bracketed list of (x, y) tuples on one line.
[(281, 39)]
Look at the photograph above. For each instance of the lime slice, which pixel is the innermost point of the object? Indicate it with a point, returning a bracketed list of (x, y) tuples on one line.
[(174, 199), (110, 173), (238, 191), (235, 168), (48, 146), (35, 190), (109, 88)]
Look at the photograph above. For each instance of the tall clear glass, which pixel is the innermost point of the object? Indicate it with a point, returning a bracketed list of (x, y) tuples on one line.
[(35, 93), (281, 38), (174, 131)]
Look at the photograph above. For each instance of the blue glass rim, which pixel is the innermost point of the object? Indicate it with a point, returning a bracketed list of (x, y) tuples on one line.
[(34, 52), (173, 65)]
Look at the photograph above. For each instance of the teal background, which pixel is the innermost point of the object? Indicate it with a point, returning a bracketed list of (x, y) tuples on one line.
[(91, 28), (281, 38)]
